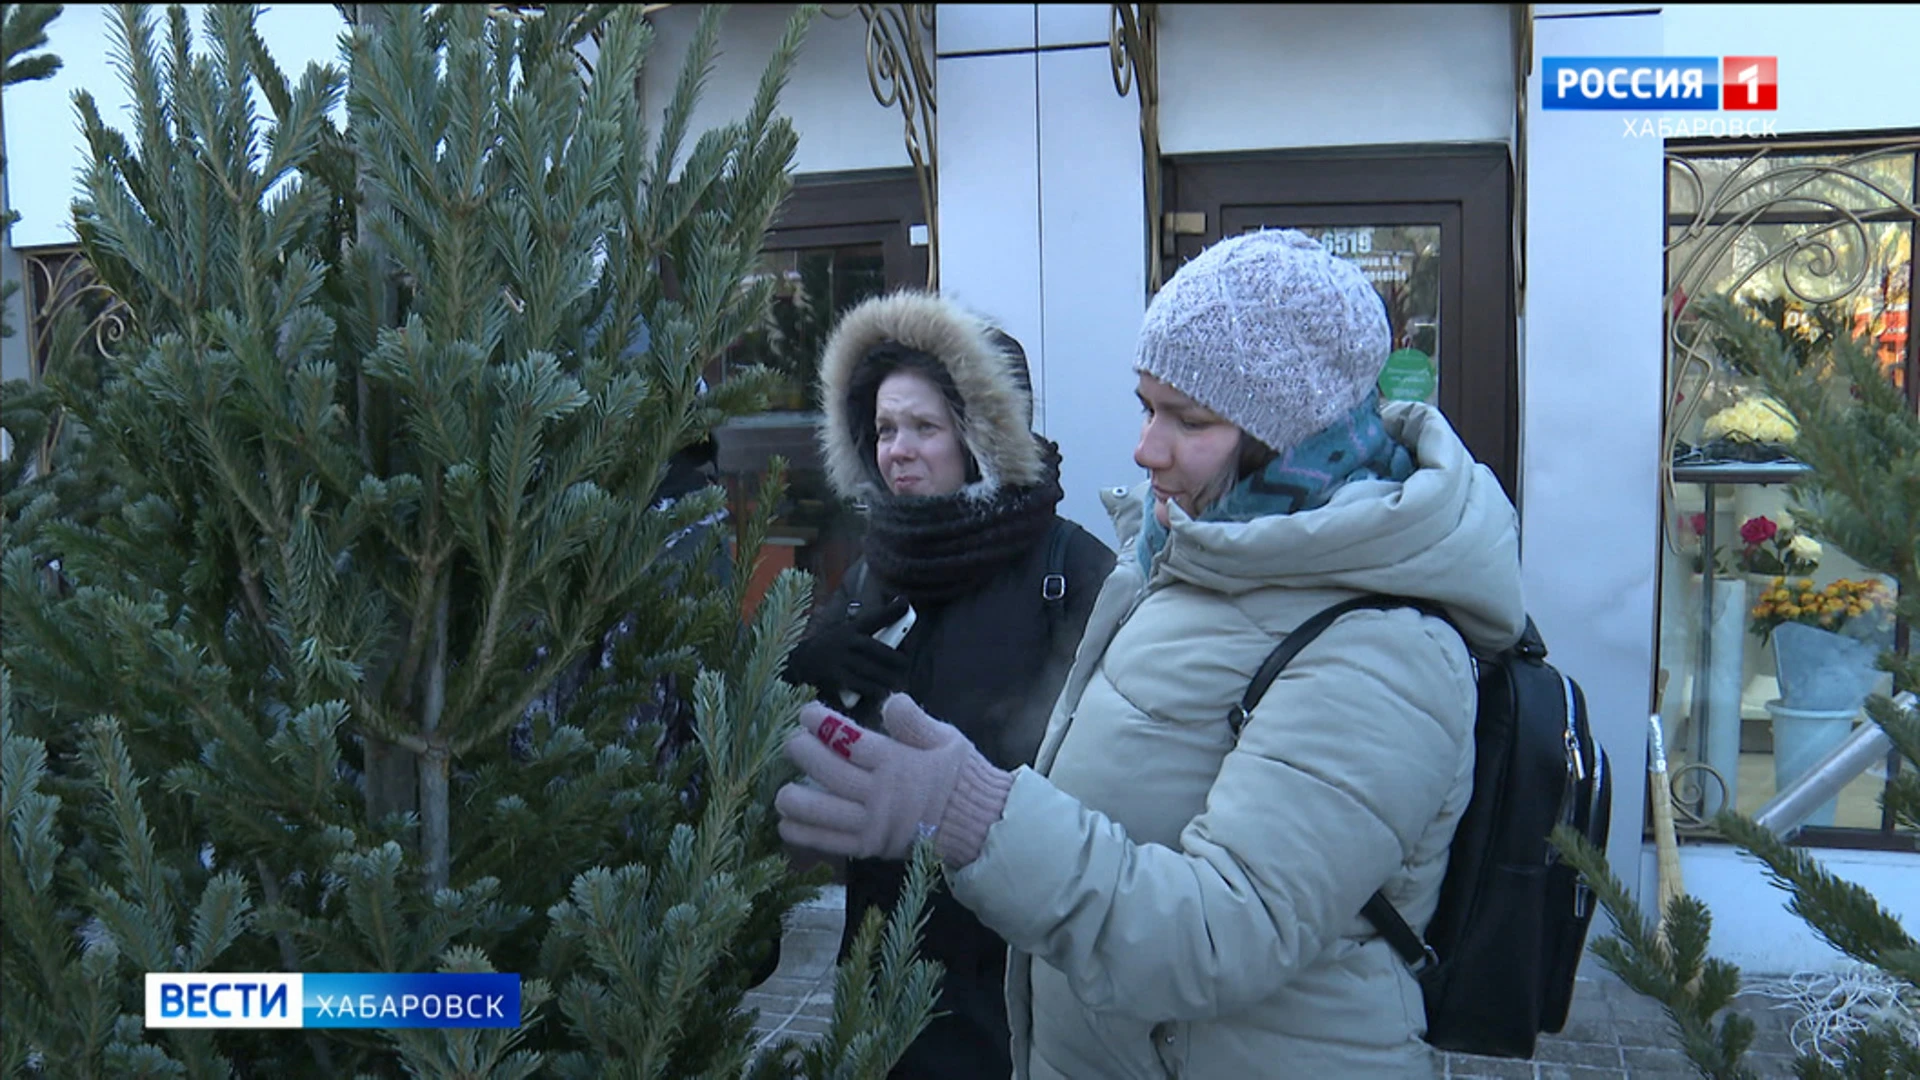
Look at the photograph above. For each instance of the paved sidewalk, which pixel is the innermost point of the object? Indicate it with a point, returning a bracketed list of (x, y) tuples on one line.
[(797, 999), (1611, 1034)]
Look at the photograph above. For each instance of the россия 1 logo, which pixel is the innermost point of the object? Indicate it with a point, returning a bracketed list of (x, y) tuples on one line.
[(1661, 83)]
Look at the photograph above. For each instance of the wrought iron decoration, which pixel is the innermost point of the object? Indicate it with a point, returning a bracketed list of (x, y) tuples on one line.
[(1824, 265), (900, 72), (61, 284), (1132, 46)]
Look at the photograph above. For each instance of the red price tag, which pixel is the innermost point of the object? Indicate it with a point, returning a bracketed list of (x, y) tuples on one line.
[(839, 735)]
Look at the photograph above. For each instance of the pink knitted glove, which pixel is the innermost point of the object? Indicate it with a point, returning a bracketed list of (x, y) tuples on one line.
[(876, 795)]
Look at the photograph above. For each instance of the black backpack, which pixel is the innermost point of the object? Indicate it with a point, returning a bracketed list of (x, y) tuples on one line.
[(1498, 963)]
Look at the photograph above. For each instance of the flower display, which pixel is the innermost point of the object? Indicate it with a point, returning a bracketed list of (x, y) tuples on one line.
[(1696, 525), (1752, 419), (1768, 547), (1776, 548), (1855, 607)]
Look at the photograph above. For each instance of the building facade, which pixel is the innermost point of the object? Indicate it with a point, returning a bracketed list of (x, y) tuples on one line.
[(1520, 250), (1050, 164)]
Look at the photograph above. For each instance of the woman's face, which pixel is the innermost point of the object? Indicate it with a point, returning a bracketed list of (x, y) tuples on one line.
[(1187, 449), (916, 444)]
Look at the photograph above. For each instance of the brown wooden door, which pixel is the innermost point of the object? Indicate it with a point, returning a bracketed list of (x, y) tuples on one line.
[(837, 241), (1431, 229)]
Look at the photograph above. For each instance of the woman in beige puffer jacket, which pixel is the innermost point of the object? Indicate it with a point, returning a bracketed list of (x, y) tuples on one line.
[(1179, 902)]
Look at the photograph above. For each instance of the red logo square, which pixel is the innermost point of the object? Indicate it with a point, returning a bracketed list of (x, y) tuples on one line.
[(1750, 83)]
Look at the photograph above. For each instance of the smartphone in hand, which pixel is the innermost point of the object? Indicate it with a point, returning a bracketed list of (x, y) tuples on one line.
[(891, 636)]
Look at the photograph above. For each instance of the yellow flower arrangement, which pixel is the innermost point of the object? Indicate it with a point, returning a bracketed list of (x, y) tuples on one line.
[(1754, 419), (1846, 604)]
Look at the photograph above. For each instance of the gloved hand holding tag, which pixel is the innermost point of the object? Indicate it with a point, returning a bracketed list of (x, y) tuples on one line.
[(878, 792)]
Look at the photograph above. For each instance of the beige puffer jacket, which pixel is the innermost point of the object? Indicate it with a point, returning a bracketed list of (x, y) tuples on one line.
[(1179, 905)]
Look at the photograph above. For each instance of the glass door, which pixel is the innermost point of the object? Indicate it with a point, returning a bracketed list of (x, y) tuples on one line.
[(1403, 259), (1431, 228)]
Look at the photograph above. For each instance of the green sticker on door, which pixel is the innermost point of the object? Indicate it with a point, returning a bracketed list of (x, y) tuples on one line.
[(1408, 376)]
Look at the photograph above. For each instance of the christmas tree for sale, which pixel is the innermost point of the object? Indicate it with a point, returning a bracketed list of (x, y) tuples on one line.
[(1860, 436), (388, 655)]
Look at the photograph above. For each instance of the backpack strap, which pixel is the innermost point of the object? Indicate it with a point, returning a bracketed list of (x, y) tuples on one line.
[(1385, 918), (1378, 910), (1303, 635), (1053, 585)]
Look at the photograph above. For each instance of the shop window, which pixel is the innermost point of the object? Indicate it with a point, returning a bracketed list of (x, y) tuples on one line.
[(812, 286), (1815, 240), (838, 240)]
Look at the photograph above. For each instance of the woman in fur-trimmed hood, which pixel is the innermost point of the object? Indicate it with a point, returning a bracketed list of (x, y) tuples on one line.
[(927, 415), (938, 541)]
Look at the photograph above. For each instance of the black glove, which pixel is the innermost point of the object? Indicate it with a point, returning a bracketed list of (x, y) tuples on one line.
[(844, 656)]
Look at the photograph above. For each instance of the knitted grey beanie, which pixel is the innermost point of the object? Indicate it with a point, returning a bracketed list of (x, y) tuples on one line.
[(1270, 331)]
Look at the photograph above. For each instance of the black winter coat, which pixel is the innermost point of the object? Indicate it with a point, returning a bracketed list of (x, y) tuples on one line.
[(991, 663)]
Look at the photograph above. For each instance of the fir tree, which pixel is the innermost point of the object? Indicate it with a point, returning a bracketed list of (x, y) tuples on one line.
[(376, 473), (24, 31), (1861, 439)]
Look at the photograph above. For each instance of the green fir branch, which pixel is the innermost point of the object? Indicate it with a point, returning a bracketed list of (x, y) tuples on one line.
[(1668, 964), (1844, 914)]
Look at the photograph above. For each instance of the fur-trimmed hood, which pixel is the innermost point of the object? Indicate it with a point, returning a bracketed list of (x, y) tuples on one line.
[(990, 378)]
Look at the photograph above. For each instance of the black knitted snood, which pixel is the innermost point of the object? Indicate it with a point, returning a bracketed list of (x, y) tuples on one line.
[(932, 549)]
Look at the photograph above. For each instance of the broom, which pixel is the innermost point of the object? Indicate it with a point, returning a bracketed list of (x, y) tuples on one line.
[(1665, 842)]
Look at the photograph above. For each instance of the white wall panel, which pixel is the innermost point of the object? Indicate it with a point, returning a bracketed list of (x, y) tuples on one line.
[(1554, 10), (1093, 276), (842, 127), (1843, 67), (990, 193), (1074, 24), (1590, 405), (969, 28), (1271, 76)]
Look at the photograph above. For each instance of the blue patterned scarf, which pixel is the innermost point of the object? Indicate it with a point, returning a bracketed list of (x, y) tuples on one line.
[(1354, 447)]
